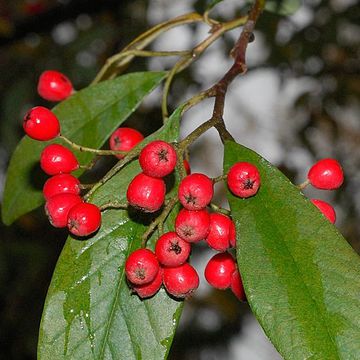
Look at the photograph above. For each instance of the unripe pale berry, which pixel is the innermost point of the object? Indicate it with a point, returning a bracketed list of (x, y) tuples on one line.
[(171, 250), (56, 159), (41, 124), (61, 184), (157, 159), (219, 270), (218, 237), (141, 267), (181, 281), (326, 174), (58, 206), (146, 193), (236, 286), (124, 139), (195, 191), (243, 179), (192, 225), (326, 209), (54, 86), (84, 219), (148, 290)]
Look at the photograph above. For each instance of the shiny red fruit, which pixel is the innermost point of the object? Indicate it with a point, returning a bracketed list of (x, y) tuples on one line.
[(218, 237), (326, 209), (61, 184), (124, 139), (148, 290), (84, 219), (326, 174), (54, 86), (236, 286), (187, 167), (232, 234)]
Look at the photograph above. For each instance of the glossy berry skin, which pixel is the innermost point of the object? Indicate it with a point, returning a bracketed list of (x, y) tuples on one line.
[(57, 208), (232, 234), (326, 174), (148, 290), (141, 267), (54, 86), (84, 219), (219, 232), (192, 226), (124, 139), (157, 159), (236, 286), (243, 179), (41, 124), (219, 270), (171, 250), (187, 167), (146, 193), (61, 184), (195, 191), (57, 159), (181, 281), (326, 209)]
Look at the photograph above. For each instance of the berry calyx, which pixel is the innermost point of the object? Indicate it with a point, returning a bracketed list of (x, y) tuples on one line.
[(181, 281), (141, 267), (124, 139), (84, 219), (61, 184), (58, 206), (57, 159), (41, 124), (192, 225), (218, 237), (326, 209), (236, 286), (219, 270), (326, 174), (146, 193), (148, 290), (195, 191), (54, 86), (243, 179)]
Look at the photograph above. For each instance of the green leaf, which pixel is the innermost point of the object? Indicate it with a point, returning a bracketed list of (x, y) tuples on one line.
[(87, 118), (281, 7), (301, 277), (89, 311)]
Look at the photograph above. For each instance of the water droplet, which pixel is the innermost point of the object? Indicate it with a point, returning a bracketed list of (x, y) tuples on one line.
[(71, 311), (81, 323)]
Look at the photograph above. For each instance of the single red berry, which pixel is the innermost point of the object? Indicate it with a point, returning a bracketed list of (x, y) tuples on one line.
[(56, 159), (187, 167), (218, 237), (232, 234), (192, 225), (61, 184), (41, 124), (219, 269), (181, 281), (146, 193), (195, 191), (171, 250), (326, 209), (84, 219), (236, 286), (141, 267), (124, 139), (243, 179), (148, 290), (157, 159), (58, 206), (54, 86), (326, 174)]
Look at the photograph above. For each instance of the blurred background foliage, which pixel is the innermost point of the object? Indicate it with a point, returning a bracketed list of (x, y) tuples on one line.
[(320, 43)]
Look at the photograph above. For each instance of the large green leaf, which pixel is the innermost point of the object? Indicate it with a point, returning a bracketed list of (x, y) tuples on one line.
[(301, 277), (90, 312), (87, 118)]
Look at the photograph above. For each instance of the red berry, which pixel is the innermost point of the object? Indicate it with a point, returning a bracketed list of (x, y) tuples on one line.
[(195, 191), (171, 250), (326, 209), (58, 207), (243, 179), (54, 86), (192, 226), (146, 193), (56, 159), (219, 269), (232, 234), (124, 139), (157, 159), (84, 219), (236, 286), (326, 174), (61, 184), (187, 167), (141, 267), (150, 289), (181, 281), (41, 124), (219, 233)]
